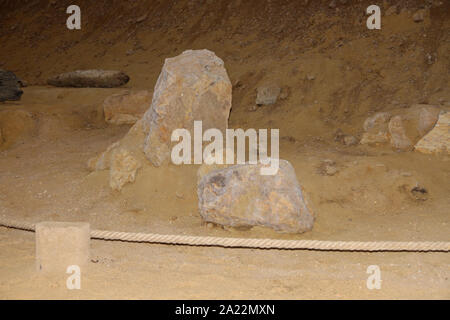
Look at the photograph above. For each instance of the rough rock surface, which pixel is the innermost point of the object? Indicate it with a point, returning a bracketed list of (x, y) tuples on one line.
[(238, 196), (399, 139), (9, 86), (132, 142), (90, 78), (126, 107), (349, 140), (438, 139), (191, 86), (428, 117), (123, 168), (267, 94), (376, 129)]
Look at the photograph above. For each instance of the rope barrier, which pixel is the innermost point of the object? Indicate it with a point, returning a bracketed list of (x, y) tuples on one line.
[(413, 246)]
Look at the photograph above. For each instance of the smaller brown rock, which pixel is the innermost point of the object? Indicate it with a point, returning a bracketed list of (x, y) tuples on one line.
[(267, 94), (90, 78), (376, 129), (349, 140)]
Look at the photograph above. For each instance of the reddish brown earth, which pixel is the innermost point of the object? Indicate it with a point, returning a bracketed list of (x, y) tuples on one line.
[(337, 73)]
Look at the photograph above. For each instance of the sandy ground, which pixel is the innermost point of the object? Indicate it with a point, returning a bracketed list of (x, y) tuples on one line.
[(336, 73)]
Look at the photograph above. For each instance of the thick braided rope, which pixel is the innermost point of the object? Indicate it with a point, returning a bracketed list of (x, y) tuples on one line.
[(253, 243)]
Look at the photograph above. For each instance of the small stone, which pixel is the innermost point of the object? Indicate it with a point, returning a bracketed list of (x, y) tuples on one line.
[(378, 122), (22, 83), (142, 18), (350, 140), (339, 135), (123, 168), (419, 15), (90, 78), (330, 170), (374, 138), (332, 4), (253, 108), (345, 139), (376, 129), (419, 193), (267, 94), (179, 195), (327, 167)]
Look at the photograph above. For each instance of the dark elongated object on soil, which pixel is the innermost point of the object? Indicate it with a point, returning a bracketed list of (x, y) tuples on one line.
[(9, 86), (90, 78)]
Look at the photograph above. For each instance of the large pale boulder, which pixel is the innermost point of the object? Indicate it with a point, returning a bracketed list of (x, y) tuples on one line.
[(438, 139), (126, 107), (191, 86), (90, 78), (239, 196)]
